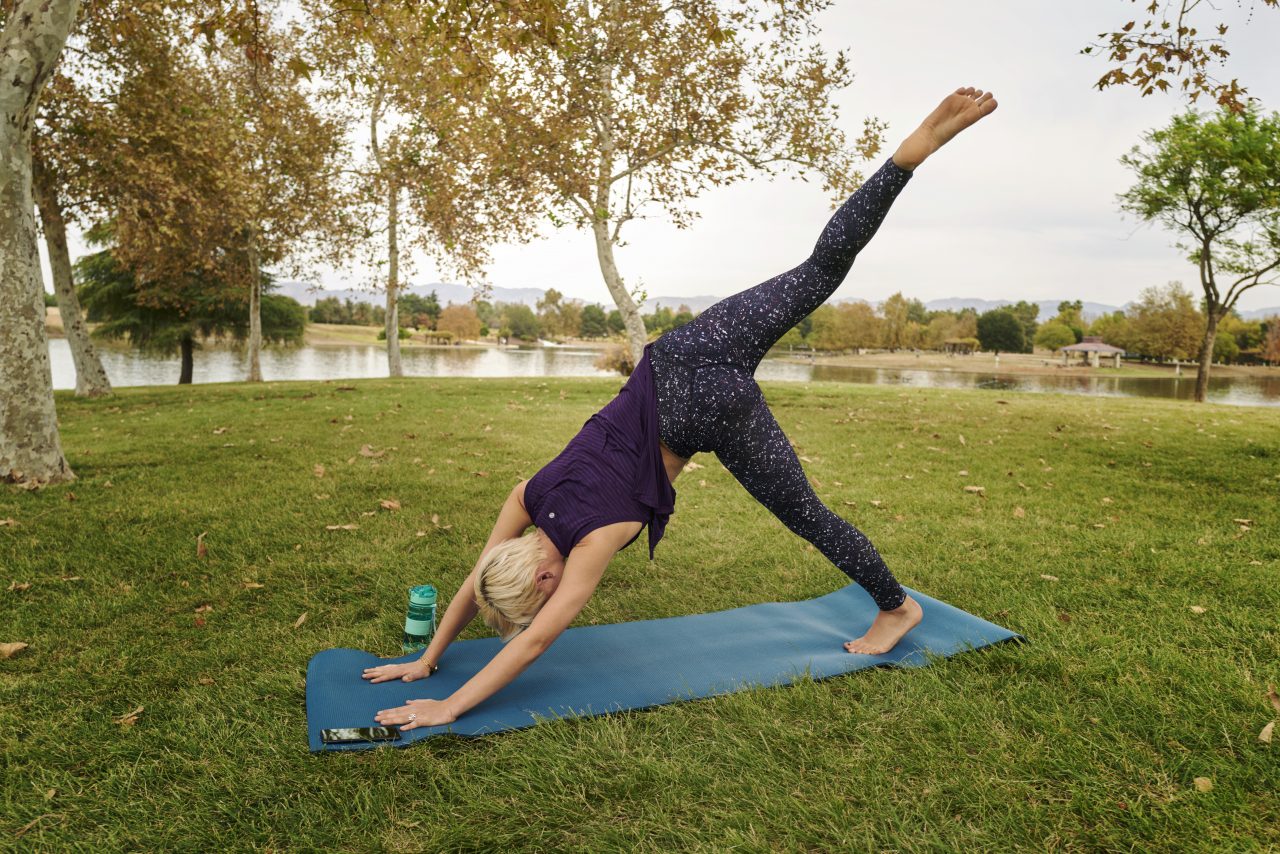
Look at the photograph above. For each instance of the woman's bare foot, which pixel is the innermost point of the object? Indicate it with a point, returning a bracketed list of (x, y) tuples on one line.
[(956, 112), (887, 629)]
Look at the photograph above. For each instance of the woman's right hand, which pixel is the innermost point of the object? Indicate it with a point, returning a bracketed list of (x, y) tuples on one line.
[(409, 672)]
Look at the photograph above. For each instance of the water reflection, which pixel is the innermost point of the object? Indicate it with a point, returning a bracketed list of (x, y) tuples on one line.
[(130, 368)]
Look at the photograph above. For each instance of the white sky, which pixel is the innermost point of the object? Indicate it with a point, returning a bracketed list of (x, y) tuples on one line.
[(1022, 206)]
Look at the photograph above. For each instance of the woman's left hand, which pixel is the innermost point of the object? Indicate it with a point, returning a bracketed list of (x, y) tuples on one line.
[(416, 713)]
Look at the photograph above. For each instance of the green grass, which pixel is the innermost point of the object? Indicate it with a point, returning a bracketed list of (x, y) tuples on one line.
[(1088, 737)]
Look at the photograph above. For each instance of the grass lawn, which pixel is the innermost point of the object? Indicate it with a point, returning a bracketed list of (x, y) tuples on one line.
[(1106, 525)]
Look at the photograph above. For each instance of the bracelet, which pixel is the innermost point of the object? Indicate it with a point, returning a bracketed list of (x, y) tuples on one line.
[(432, 668)]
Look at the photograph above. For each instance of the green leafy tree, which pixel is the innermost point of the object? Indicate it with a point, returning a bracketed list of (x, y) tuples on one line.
[(522, 322), (1215, 182), (1164, 323), (1054, 335), (1026, 312), (204, 309), (593, 323), (1000, 331), (615, 322), (1225, 349), (1113, 329)]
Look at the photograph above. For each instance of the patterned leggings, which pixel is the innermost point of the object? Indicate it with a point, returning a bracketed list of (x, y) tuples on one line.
[(708, 399)]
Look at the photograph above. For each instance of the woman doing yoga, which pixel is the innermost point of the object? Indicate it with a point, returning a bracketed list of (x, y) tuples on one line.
[(693, 391)]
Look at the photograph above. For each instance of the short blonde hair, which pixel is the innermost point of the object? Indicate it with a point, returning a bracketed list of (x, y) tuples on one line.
[(504, 585)]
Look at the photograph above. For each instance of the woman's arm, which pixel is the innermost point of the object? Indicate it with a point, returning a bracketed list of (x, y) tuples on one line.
[(513, 520), (582, 571)]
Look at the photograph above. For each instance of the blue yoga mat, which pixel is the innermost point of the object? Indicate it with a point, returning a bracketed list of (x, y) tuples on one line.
[(594, 670)]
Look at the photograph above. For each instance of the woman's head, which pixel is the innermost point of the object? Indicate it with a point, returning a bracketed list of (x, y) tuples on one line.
[(512, 584)]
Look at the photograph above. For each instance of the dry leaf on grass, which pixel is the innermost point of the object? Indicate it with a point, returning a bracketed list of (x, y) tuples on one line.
[(201, 549), (692, 466), (1019, 513), (389, 504), (252, 585), (9, 650), (218, 431), (204, 609), (1265, 735), (1273, 697), (8, 523), (129, 718), (435, 520), (962, 441), (1048, 577), (298, 622), (1198, 609), (318, 470), (350, 526), (1203, 784), (367, 451), (206, 680), (1243, 521), (976, 490), (19, 586)]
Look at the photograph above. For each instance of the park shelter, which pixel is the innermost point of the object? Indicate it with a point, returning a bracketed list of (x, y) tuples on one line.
[(1091, 349), (964, 346)]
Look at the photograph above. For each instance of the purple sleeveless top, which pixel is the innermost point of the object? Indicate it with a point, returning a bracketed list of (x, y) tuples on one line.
[(611, 471)]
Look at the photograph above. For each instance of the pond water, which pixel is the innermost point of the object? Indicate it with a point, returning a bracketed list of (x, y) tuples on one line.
[(130, 368)]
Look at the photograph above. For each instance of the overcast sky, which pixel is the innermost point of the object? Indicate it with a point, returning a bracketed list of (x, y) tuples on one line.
[(1021, 206)]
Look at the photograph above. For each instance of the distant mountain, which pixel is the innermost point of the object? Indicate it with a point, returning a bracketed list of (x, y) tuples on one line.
[(308, 294), (1048, 307)]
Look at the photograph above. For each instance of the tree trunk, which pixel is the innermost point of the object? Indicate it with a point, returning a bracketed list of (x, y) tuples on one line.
[(91, 378), (30, 446), (1206, 354), (255, 310), (637, 335), (187, 346), (394, 367)]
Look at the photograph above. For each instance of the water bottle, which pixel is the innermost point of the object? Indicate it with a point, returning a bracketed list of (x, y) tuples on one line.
[(420, 622)]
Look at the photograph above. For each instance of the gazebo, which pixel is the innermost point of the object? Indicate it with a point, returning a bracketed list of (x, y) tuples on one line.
[(1090, 350)]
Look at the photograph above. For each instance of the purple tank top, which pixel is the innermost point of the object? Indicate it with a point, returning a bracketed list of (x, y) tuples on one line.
[(611, 471)]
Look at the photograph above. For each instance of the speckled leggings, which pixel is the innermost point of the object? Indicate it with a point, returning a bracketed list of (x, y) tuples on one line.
[(708, 399)]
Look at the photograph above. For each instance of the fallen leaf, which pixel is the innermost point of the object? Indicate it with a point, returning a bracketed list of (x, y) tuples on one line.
[(368, 513), (851, 504), (70, 496), (480, 473), (962, 441), (1243, 521), (876, 503), (1107, 500), (318, 470), (1048, 577), (19, 586), (48, 796), (435, 520), (1273, 697), (976, 490), (252, 585), (297, 623), (806, 459), (1198, 609), (1064, 617), (200, 622), (350, 526), (1019, 513), (205, 680), (201, 549), (129, 718), (204, 609), (1265, 735), (9, 650), (702, 483), (8, 523), (218, 431), (71, 578), (366, 451), (1203, 784), (420, 534), (1099, 525), (963, 472), (692, 466)]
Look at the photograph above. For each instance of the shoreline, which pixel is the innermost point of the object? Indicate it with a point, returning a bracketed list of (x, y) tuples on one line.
[(1044, 363)]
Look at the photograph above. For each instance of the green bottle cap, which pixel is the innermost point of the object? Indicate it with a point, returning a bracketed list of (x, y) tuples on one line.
[(423, 594)]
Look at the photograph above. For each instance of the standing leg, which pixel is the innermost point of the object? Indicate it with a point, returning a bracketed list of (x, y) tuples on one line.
[(756, 452)]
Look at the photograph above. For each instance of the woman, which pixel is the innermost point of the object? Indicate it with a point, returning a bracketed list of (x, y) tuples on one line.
[(692, 391)]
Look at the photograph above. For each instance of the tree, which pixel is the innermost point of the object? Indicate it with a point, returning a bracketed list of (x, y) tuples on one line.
[(31, 41), (1070, 314), (1113, 329), (1000, 331), (1215, 182), (521, 322), (593, 323), (1169, 48), (436, 174), (641, 103), (614, 322), (1054, 336), (1026, 312), (461, 320), (896, 332), (1271, 341), (1164, 323), (113, 298)]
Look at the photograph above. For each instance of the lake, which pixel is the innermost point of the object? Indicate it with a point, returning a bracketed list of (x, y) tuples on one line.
[(132, 368)]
